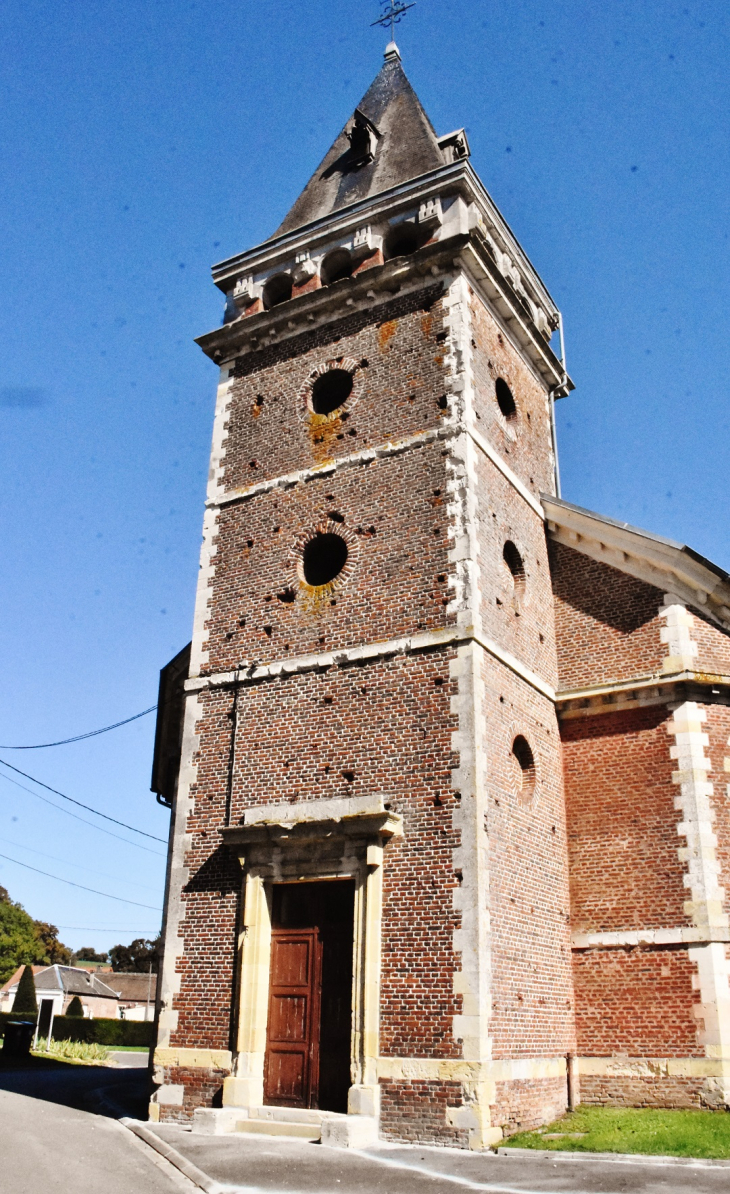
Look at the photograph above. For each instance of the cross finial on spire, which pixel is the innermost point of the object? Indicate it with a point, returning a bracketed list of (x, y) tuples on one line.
[(392, 14)]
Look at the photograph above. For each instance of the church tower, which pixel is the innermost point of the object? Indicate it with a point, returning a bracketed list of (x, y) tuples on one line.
[(367, 920)]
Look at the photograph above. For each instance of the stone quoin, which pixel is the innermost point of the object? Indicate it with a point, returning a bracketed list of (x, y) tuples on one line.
[(447, 756)]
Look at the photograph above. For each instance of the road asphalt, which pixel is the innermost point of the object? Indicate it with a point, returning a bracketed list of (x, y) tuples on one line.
[(58, 1134), (52, 1140)]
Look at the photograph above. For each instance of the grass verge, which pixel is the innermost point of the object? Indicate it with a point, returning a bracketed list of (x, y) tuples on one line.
[(654, 1131)]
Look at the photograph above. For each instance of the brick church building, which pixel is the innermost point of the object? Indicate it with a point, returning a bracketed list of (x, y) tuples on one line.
[(447, 756)]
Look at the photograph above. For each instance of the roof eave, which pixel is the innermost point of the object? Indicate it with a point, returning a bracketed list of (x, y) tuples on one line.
[(664, 563)]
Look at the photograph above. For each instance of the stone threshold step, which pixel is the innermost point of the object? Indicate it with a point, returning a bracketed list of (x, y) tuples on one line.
[(279, 1127)]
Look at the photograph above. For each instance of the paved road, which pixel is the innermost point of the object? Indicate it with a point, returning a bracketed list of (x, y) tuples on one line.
[(51, 1139), (55, 1138), (130, 1061), (269, 1166)]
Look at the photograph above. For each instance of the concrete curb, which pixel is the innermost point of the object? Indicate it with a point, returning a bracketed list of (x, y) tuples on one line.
[(618, 1158), (190, 1171)]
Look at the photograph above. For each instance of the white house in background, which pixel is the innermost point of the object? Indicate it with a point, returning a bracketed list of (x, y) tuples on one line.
[(116, 995)]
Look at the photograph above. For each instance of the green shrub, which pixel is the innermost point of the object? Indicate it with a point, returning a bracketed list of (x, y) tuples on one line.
[(75, 1007), (25, 1002), (104, 1031)]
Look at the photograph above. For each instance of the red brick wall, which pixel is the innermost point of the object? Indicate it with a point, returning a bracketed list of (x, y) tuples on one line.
[(532, 997), (203, 1088), (717, 728), (520, 622), (607, 623), (393, 517), (635, 1001), (396, 389), (526, 1103), (622, 1091), (713, 643), (622, 824), (416, 1111), (523, 442)]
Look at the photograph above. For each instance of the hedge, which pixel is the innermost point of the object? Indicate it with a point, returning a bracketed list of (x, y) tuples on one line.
[(102, 1031)]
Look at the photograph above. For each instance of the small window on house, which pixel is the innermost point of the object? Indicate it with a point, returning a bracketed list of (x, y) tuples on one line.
[(336, 265), (330, 390), (323, 558), (522, 752), (505, 399), (277, 290), (402, 240)]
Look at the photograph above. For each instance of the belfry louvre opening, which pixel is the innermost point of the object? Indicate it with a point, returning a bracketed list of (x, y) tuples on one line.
[(324, 557)]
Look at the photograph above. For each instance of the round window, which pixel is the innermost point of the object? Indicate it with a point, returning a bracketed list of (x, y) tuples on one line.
[(330, 390), (323, 558)]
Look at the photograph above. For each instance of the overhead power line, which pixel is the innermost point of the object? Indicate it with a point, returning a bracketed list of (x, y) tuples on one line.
[(104, 929), (67, 813), (81, 887), (88, 807), (80, 737), (77, 866)]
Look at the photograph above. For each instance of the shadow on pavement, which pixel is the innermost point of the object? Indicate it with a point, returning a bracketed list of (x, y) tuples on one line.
[(99, 1089)]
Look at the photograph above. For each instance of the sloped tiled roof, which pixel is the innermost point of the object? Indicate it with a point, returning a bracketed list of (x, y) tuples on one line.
[(132, 985), (72, 981), (406, 146), (15, 978)]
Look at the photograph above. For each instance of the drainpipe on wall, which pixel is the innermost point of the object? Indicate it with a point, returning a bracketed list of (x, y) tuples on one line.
[(562, 386)]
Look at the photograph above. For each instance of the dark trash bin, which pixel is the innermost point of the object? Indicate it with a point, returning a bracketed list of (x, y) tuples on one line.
[(18, 1039)]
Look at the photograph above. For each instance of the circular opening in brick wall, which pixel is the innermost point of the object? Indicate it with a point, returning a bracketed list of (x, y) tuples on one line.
[(505, 399), (402, 240), (277, 290), (330, 390), (323, 558), (522, 752), (337, 265)]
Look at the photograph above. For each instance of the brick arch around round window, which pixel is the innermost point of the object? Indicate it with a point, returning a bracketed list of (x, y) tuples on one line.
[(310, 552), (330, 390)]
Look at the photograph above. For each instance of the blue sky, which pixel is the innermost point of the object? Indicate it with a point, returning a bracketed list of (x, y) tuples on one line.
[(144, 142)]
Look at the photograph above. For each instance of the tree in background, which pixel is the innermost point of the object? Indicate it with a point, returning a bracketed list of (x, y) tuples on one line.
[(24, 941), (75, 1007), (87, 954), (136, 956), (57, 953), (25, 1002)]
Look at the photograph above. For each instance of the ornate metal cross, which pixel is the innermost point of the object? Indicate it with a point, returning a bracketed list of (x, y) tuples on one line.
[(392, 14)]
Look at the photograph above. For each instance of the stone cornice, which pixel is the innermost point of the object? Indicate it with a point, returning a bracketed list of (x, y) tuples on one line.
[(655, 689), (648, 938), (366, 456), (457, 178), (252, 673), (381, 283)]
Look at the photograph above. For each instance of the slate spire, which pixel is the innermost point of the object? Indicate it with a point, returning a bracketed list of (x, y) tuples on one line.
[(388, 140)]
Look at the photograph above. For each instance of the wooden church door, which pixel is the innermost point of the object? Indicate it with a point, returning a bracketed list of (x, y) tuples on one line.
[(292, 1046), (310, 996)]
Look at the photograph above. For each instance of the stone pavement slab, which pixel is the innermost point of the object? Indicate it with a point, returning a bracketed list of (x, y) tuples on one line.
[(265, 1165)]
